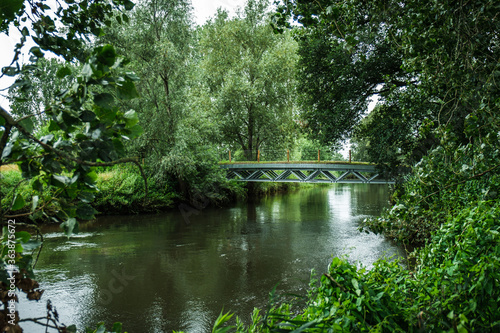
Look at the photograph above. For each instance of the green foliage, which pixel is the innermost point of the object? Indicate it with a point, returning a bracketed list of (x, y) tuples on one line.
[(101, 328), (122, 190), (85, 126), (454, 287), (248, 73), (84, 132)]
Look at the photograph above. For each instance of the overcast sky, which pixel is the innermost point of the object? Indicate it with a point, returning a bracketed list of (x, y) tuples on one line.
[(203, 10)]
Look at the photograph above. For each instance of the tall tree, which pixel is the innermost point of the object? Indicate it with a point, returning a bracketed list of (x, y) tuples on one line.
[(250, 75), (177, 143), (159, 42)]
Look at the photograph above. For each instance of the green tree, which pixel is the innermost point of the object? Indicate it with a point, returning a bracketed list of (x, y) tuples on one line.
[(159, 43), (250, 75), (346, 58), (85, 127), (44, 86), (178, 141)]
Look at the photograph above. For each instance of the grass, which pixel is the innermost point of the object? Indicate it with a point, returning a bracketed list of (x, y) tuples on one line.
[(9, 167)]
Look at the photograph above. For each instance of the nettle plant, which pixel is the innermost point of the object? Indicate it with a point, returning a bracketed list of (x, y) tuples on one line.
[(84, 129)]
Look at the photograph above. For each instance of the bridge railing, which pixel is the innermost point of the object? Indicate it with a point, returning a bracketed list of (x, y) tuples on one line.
[(283, 155)]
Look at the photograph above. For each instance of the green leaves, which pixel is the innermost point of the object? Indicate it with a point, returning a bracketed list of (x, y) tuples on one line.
[(104, 100), (9, 9), (106, 55), (131, 118), (18, 203), (126, 90), (70, 226)]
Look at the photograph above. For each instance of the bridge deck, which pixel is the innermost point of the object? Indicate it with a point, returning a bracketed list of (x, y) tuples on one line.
[(325, 172)]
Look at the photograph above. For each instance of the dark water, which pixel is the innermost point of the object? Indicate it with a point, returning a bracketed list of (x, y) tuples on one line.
[(159, 273)]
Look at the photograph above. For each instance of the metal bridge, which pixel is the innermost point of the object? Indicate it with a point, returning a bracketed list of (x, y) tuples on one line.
[(325, 172)]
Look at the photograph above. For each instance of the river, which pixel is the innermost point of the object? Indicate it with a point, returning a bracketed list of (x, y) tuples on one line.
[(158, 273)]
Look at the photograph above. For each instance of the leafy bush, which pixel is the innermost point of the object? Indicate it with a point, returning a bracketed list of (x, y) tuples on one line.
[(455, 287), (122, 190)]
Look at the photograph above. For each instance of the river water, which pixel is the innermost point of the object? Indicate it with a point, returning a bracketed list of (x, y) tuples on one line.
[(158, 273)]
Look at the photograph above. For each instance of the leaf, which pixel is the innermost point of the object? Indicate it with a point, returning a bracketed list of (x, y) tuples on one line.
[(18, 203), (71, 329), (34, 203), (131, 118), (86, 197), (135, 131), (23, 236), (37, 185), (104, 100), (87, 71), (85, 211), (87, 116), (7, 150), (31, 245), (127, 90), (70, 226), (36, 52), (47, 138), (355, 284), (63, 72), (10, 71), (60, 181), (27, 124), (117, 328), (128, 4), (106, 55)]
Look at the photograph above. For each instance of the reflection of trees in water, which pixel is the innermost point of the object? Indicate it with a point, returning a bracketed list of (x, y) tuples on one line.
[(229, 257)]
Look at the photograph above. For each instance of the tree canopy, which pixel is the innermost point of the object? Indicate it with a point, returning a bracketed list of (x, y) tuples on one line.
[(431, 64), (249, 72)]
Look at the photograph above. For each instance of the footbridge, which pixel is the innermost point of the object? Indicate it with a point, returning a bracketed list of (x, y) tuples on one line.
[(312, 172)]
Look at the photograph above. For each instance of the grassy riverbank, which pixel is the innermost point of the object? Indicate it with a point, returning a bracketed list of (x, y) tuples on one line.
[(121, 190)]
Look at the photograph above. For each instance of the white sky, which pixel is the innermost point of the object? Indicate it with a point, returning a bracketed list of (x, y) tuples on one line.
[(203, 10)]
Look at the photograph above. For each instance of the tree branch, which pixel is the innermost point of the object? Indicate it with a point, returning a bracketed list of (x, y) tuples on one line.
[(11, 122)]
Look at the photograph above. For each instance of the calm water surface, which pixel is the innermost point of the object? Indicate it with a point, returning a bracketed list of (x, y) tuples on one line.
[(159, 273)]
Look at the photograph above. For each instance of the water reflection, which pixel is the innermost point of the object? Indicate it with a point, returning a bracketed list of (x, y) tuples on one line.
[(158, 274)]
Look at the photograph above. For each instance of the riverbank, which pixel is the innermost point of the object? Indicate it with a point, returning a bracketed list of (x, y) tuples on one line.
[(121, 190)]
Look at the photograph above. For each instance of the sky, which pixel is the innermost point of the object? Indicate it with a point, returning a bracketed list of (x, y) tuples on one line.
[(203, 10)]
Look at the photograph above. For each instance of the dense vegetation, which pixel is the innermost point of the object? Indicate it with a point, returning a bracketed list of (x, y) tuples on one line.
[(186, 95), (434, 67)]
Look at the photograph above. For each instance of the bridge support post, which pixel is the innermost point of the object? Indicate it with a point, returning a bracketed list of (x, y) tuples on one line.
[(288, 155), (349, 156), (229, 156), (258, 156), (319, 156)]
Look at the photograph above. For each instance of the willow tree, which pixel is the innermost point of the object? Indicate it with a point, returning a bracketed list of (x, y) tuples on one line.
[(250, 75), (158, 41)]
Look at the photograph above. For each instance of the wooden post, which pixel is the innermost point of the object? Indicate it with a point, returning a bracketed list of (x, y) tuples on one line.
[(229, 156), (288, 155), (258, 156), (318, 156), (349, 156)]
